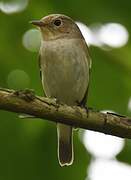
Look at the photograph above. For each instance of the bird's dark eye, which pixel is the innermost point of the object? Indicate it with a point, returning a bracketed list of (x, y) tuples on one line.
[(57, 22)]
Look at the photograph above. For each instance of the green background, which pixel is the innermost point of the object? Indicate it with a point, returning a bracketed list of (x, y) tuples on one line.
[(28, 148)]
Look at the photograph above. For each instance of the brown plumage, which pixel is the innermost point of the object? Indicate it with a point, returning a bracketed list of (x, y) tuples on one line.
[(65, 64)]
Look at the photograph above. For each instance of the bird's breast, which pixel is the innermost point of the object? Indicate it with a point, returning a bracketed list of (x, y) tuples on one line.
[(65, 69)]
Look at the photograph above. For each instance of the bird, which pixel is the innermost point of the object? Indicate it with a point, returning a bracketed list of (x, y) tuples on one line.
[(65, 65)]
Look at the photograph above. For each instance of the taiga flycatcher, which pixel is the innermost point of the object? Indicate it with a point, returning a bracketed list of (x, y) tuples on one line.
[(64, 64)]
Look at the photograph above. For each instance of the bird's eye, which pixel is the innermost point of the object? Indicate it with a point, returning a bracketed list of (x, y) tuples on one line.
[(57, 22)]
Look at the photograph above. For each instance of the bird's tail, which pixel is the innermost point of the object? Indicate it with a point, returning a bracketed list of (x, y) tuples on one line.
[(65, 144)]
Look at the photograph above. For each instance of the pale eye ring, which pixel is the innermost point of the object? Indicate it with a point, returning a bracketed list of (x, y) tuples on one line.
[(57, 22)]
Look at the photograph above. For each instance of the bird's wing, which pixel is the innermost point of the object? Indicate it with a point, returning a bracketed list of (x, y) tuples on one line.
[(88, 55), (39, 63), (84, 100)]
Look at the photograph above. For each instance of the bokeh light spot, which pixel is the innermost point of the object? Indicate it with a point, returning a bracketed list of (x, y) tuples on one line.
[(102, 169), (113, 34), (13, 6), (31, 40), (105, 36), (101, 145), (18, 79)]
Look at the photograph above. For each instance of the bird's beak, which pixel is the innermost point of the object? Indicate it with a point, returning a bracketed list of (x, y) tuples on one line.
[(37, 23)]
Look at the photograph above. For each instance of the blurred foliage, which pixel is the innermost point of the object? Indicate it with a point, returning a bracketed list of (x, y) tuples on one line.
[(28, 148)]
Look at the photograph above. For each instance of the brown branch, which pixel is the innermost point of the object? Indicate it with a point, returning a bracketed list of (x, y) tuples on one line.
[(26, 102)]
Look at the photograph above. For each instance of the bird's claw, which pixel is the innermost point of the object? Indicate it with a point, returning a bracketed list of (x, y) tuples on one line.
[(27, 94)]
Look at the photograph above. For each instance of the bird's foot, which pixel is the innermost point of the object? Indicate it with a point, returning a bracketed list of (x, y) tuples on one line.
[(84, 106), (80, 104), (27, 94)]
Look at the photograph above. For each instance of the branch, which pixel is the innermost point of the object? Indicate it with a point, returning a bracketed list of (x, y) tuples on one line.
[(27, 102)]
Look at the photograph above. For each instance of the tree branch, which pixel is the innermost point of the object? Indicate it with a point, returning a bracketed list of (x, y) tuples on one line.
[(27, 102)]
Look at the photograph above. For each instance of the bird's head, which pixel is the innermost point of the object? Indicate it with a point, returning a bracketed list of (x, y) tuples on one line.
[(57, 26)]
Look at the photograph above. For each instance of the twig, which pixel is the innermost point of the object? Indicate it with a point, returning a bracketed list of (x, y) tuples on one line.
[(28, 103)]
